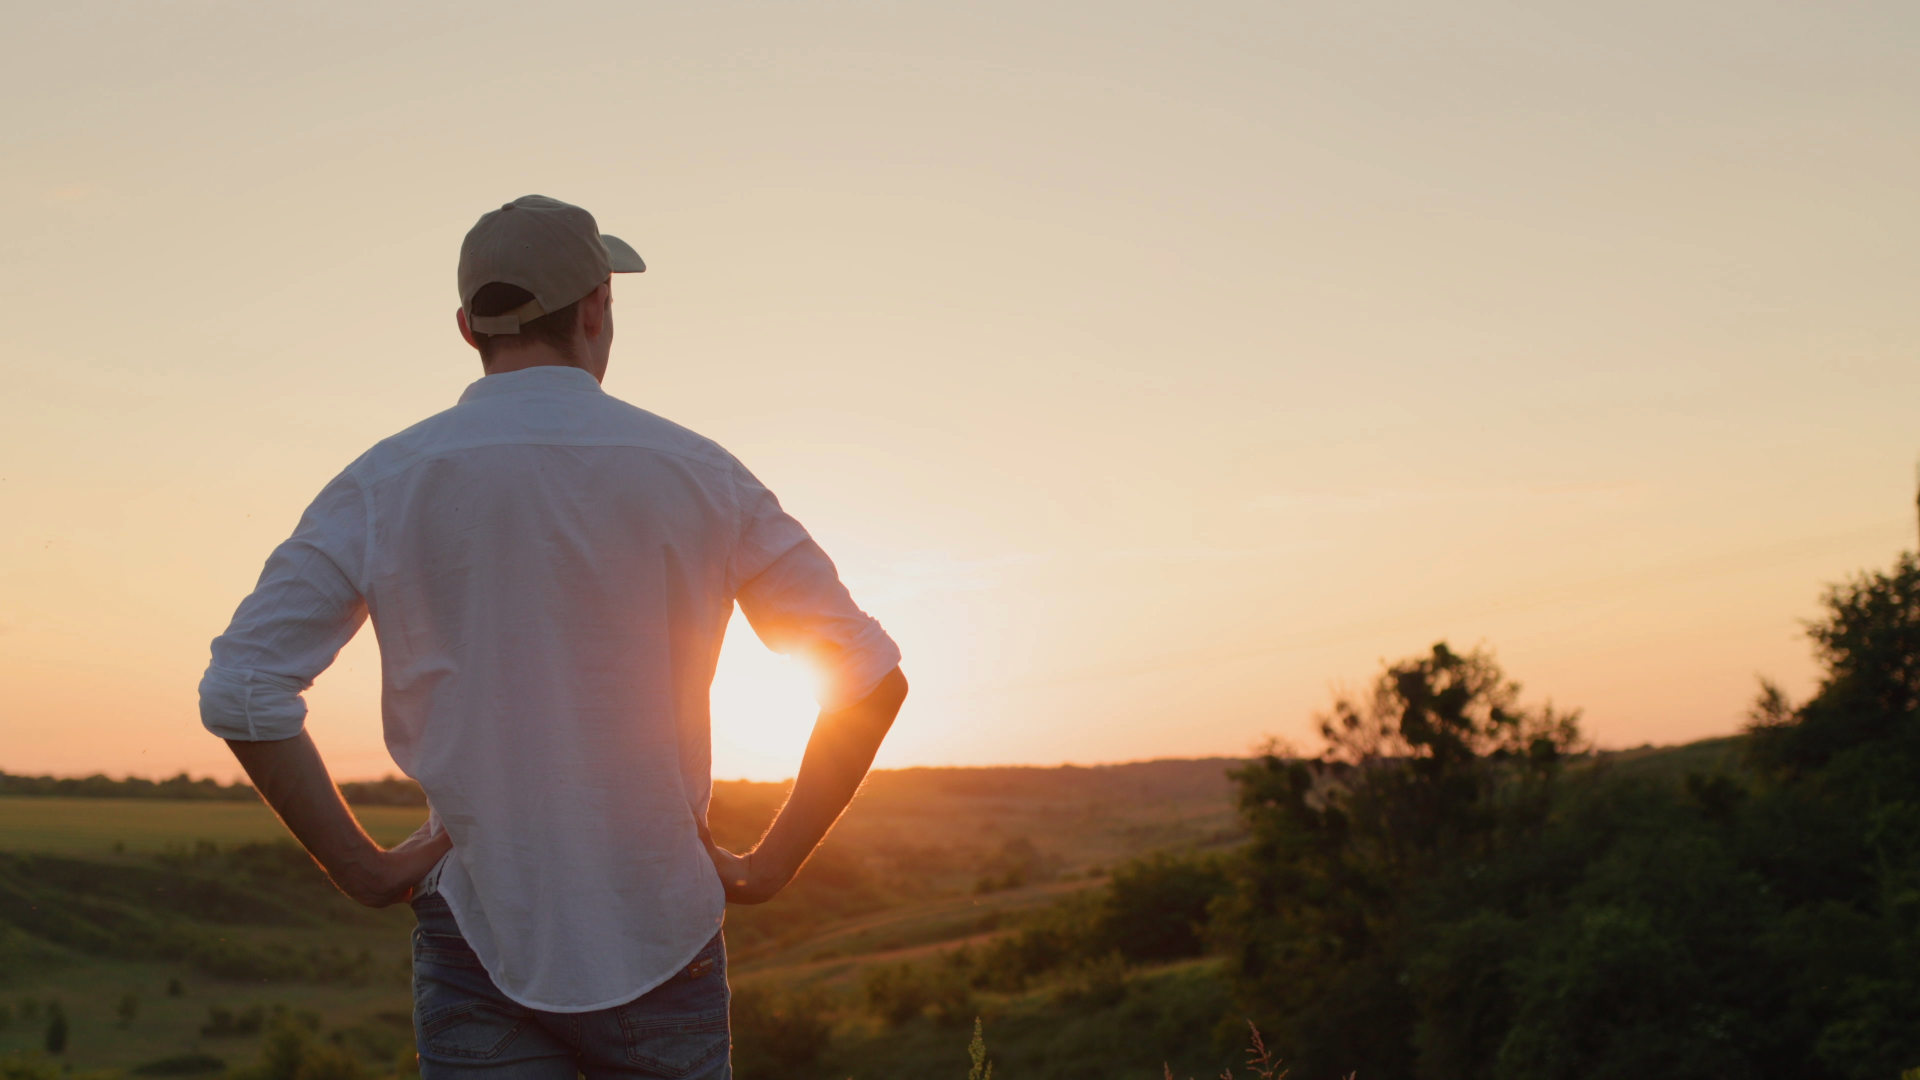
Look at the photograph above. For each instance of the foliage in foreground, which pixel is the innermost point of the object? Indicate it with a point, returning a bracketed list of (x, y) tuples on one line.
[(1446, 894)]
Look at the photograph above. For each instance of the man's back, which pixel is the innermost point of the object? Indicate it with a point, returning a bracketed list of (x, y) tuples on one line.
[(550, 572)]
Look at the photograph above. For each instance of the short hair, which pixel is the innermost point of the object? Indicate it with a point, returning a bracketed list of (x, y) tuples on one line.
[(555, 328)]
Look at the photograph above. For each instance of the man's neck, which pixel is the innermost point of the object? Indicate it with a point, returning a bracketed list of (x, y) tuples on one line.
[(534, 356), (531, 355)]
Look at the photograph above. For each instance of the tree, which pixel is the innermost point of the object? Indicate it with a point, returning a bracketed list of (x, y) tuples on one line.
[(1841, 803), (1439, 764), (1436, 896)]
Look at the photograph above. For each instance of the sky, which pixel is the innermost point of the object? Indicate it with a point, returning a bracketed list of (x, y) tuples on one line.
[(1152, 371)]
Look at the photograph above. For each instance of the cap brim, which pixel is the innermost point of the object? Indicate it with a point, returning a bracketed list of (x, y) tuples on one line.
[(621, 255)]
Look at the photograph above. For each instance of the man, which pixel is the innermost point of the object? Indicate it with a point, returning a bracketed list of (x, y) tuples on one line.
[(549, 572)]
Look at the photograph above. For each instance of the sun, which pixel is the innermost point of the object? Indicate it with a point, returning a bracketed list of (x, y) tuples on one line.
[(763, 709)]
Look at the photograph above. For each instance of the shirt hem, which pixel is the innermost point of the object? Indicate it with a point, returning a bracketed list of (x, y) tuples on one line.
[(610, 1003)]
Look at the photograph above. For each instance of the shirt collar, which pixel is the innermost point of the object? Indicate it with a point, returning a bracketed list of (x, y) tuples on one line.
[(545, 377)]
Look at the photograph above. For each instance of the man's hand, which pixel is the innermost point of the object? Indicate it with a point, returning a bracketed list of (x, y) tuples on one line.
[(378, 878), (738, 878), (290, 776), (838, 756)]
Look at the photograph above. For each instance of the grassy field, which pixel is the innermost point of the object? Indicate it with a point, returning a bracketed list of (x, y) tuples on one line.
[(102, 827), (157, 896), (144, 919), (89, 992)]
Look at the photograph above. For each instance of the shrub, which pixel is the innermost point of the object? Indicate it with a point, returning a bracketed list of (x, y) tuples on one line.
[(895, 992), (898, 993), (1099, 983), (291, 1052), (777, 1032), (224, 1023), (1066, 932), (1157, 907), (1017, 863)]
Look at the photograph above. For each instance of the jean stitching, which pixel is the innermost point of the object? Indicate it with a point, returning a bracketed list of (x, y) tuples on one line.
[(713, 1022), (437, 1025)]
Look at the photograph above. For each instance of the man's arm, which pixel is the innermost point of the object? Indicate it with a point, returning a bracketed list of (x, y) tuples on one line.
[(304, 609), (838, 756), (293, 780)]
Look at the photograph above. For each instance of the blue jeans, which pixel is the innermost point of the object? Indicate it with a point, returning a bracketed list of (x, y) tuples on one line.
[(466, 1029)]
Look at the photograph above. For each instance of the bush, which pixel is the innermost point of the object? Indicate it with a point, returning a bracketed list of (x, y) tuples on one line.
[(224, 1023), (777, 1032), (898, 993), (1057, 936), (291, 1052), (1017, 863), (1099, 983), (1157, 907), (895, 993), (1152, 910)]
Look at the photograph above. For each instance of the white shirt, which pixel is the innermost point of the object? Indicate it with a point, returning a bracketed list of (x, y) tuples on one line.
[(549, 571)]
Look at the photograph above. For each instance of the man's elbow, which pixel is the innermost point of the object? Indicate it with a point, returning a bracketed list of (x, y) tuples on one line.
[(893, 688), (251, 706), (880, 707)]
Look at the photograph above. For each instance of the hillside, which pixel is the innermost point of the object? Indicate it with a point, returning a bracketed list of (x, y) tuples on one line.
[(107, 899), (211, 924)]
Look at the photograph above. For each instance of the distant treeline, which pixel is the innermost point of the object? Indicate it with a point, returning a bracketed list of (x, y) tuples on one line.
[(133, 787), (392, 791), (1142, 781)]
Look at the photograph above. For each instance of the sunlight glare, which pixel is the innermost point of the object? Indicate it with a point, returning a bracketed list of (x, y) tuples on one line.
[(763, 709)]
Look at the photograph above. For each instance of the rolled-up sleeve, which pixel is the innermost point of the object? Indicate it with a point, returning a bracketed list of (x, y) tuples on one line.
[(303, 611), (792, 596)]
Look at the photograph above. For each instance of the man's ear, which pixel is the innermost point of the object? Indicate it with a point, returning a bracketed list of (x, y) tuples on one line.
[(593, 311), (460, 319)]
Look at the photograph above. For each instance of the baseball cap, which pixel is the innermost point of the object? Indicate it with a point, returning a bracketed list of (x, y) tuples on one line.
[(552, 249)]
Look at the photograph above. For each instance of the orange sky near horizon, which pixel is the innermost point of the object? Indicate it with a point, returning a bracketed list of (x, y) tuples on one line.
[(1150, 370)]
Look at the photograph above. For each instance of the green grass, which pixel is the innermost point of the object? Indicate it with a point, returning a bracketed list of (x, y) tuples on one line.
[(111, 888), (105, 827), (1710, 757), (1167, 1016), (90, 988), (908, 932), (898, 884)]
